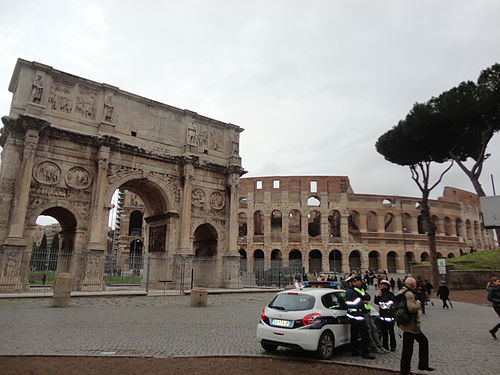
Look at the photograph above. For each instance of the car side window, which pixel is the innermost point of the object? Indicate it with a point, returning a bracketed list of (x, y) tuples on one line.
[(332, 301)]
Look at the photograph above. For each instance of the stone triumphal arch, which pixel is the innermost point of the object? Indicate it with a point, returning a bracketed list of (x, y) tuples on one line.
[(69, 143)]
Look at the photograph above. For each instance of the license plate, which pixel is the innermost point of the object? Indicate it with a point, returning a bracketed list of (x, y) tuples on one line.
[(281, 323)]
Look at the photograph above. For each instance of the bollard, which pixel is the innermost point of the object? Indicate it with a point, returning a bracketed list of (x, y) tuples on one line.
[(199, 297), (62, 290)]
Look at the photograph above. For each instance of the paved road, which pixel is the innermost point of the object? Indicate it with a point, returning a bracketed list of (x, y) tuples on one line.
[(167, 326)]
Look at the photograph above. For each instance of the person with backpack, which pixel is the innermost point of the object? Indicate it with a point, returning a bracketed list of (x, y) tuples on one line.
[(385, 299), (408, 320)]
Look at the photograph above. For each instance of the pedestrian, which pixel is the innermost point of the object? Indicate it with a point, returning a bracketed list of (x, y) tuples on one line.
[(400, 283), (444, 293), (411, 331), (494, 298), (421, 295), (356, 297), (385, 299), (393, 284)]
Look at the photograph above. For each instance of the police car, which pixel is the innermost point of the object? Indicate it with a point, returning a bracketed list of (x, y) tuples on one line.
[(312, 319)]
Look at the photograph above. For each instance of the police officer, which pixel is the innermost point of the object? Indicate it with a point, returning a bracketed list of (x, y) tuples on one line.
[(385, 299), (356, 297)]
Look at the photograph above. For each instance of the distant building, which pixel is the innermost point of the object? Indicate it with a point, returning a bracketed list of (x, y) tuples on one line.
[(318, 223)]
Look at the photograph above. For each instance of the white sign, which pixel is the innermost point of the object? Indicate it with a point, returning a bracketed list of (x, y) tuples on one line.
[(442, 270), (441, 263), (490, 207)]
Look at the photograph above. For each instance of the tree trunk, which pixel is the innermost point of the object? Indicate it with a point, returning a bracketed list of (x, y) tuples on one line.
[(431, 237)]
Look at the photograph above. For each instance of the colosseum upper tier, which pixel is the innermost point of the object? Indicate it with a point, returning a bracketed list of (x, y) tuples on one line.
[(319, 224)]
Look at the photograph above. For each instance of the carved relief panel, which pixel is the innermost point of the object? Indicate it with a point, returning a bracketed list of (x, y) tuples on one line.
[(198, 197), (78, 178), (86, 103), (47, 172), (206, 137), (61, 97), (217, 200)]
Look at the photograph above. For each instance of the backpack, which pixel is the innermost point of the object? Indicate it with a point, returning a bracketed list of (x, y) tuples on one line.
[(401, 314)]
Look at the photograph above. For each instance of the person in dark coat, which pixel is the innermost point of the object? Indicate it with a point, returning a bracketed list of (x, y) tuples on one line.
[(444, 293), (494, 298), (356, 298), (385, 299)]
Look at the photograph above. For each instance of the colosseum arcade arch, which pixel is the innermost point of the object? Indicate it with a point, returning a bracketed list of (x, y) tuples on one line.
[(76, 141), (295, 261)]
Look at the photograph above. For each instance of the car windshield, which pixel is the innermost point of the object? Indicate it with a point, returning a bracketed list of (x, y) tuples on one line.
[(292, 302)]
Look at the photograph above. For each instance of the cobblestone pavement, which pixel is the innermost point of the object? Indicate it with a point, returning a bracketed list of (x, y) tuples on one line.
[(167, 326)]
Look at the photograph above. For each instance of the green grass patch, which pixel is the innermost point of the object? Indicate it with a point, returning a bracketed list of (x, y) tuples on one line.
[(482, 260), (36, 277), (122, 279)]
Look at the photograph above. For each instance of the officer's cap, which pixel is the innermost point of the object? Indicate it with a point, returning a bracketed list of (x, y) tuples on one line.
[(385, 282)]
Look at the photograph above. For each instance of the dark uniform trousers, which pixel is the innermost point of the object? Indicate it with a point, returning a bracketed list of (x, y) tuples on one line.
[(423, 351), (359, 328), (387, 329)]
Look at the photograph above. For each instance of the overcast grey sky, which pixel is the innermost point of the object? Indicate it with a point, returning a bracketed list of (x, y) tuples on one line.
[(314, 83)]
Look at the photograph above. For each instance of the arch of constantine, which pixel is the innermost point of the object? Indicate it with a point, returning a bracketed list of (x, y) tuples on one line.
[(69, 143), (317, 223)]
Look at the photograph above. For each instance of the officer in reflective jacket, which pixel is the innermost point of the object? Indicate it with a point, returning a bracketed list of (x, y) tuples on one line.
[(385, 299), (356, 298)]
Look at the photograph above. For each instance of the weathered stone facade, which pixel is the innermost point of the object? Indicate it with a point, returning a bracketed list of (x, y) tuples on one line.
[(69, 143), (321, 224)]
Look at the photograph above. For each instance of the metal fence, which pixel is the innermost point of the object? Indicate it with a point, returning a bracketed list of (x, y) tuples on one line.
[(35, 272)]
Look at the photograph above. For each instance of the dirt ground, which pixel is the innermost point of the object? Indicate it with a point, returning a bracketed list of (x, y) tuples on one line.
[(27, 365), (192, 366), (477, 296)]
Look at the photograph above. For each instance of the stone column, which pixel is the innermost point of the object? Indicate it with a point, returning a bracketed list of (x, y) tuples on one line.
[(13, 257), (344, 227), (345, 261), (364, 260), (398, 224), (381, 222), (285, 220), (325, 261), (92, 273), (232, 246), (185, 246), (304, 227), (97, 206), (362, 223), (325, 227), (22, 190), (267, 226), (232, 258)]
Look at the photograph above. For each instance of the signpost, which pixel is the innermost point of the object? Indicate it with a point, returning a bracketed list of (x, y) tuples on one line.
[(441, 266)]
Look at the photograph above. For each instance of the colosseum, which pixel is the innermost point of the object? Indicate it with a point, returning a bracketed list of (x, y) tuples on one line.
[(318, 224)]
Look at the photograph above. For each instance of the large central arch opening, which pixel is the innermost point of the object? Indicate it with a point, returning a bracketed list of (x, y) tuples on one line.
[(139, 223)]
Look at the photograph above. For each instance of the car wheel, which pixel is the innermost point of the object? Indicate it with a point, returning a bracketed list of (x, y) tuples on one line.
[(269, 347), (326, 344)]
